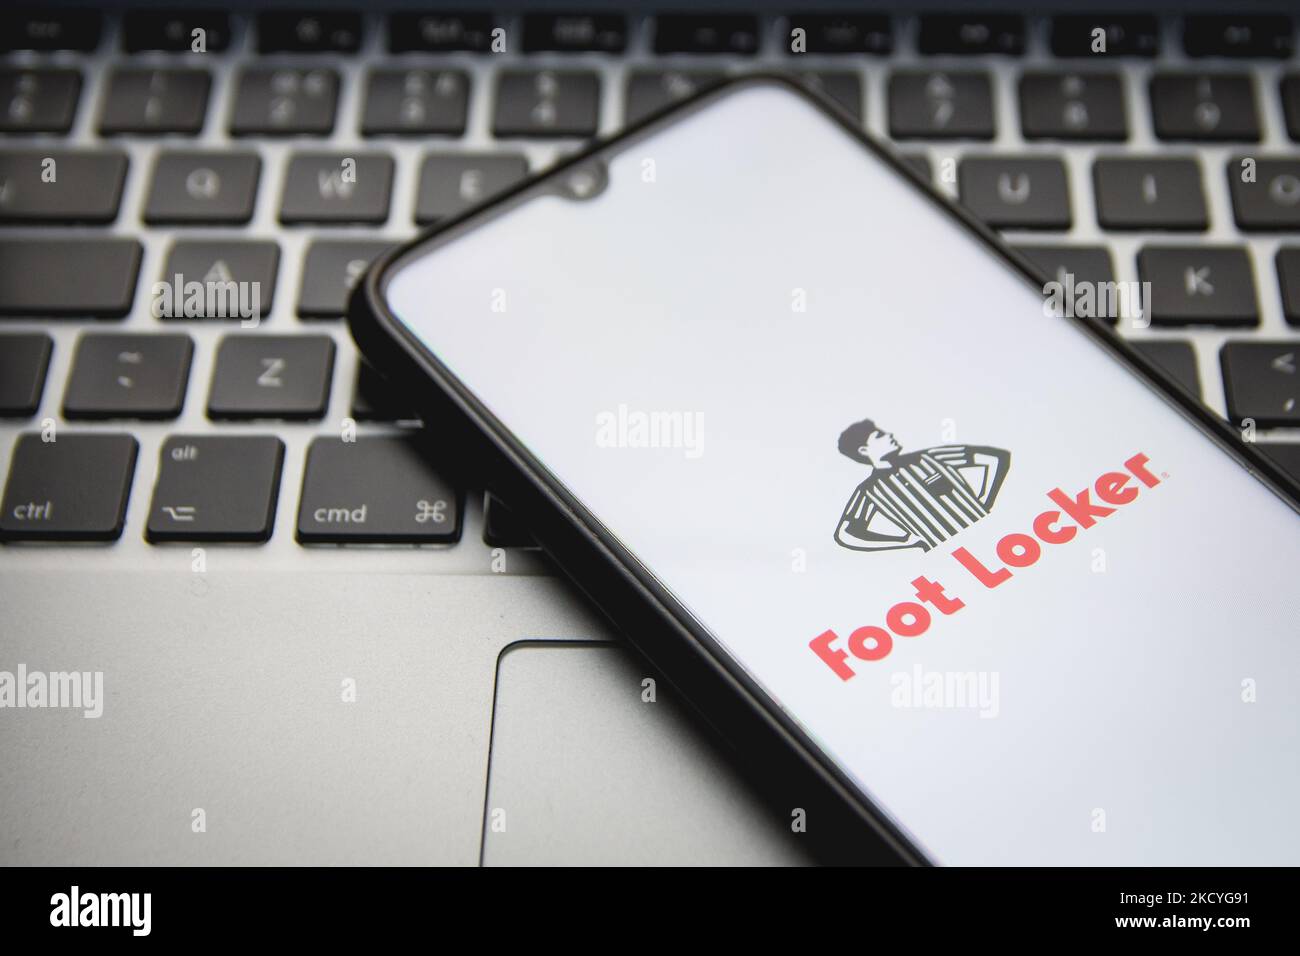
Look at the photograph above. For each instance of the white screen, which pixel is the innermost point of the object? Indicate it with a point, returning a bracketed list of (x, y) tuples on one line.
[(756, 271)]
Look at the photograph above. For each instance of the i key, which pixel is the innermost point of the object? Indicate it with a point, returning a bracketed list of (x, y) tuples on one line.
[(216, 488)]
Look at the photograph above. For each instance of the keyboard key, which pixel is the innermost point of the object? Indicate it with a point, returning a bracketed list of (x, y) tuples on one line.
[(1149, 194), (841, 33), (283, 31), (337, 188), (60, 185), (1016, 192), (972, 34), (1288, 278), (24, 360), (1291, 104), (330, 270), (173, 31), (452, 182), (216, 488), (416, 101), (285, 102), (920, 164), (940, 106), (49, 28), (1176, 357), (218, 279), (501, 528), (1288, 456), (128, 376), (842, 88), (38, 100), (191, 188), (373, 398), (272, 376), (1240, 35), (706, 33), (1072, 106), (575, 32), (155, 101), (649, 91), (1137, 35), (376, 491), (1271, 201), (1091, 264), (72, 489), (1261, 381), (1208, 285), (1204, 106), (546, 103), (75, 278), (440, 32)]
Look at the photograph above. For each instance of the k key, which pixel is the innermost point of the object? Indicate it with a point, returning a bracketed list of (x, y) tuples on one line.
[(1205, 285)]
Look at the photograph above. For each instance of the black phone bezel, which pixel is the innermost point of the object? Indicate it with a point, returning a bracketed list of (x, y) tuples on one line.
[(480, 449)]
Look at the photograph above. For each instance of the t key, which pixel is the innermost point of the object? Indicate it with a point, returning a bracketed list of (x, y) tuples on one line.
[(216, 488), (71, 489)]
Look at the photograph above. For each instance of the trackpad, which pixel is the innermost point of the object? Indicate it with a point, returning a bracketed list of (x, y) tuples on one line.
[(586, 769)]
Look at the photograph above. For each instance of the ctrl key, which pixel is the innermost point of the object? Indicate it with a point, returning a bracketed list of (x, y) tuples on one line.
[(378, 490), (71, 489)]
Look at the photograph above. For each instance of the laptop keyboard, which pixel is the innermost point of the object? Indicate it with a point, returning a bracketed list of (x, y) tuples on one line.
[(298, 146)]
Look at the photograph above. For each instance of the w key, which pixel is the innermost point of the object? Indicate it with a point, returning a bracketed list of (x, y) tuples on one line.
[(216, 488)]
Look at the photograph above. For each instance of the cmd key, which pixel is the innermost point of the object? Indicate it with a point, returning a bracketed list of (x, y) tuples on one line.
[(216, 488), (68, 277), (71, 489), (382, 490)]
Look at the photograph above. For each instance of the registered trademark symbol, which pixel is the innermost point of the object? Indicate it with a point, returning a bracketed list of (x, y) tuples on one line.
[(1164, 474)]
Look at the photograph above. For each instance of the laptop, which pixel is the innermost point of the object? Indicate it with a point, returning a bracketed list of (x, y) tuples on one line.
[(249, 611)]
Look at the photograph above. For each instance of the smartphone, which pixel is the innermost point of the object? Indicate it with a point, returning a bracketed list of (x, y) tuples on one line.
[(808, 434)]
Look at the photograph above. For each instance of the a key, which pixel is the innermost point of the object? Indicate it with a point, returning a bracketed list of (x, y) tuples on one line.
[(1206, 285), (575, 32), (24, 359), (1149, 194), (376, 491), (1291, 104), (218, 279), (72, 489), (191, 188), (1242, 35), (541, 103), (440, 32), (50, 28), (216, 488), (155, 101), (1204, 106), (337, 188), (1261, 381), (972, 34), (1288, 456), (840, 87), (1265, 193), (649, 91), (1288, 279), (330, 270), (61, 185), (68, 277), (452, 182), (1073, 265), (373, 399), (128, 376), (841, 33), (501, 527), (1175, 357), (284, 31), (706, 33), (1075, 35), (272, 376), (1072, 106), (38, 100), (416, 101), (1016, 192), (174, 31), (285, 102), (940, 106)]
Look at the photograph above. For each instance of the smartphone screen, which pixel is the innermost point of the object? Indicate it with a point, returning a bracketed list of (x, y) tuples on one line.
[(1023, 602)]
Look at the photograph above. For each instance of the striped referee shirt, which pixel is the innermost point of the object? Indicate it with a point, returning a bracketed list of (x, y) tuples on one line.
[(925, 498)]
